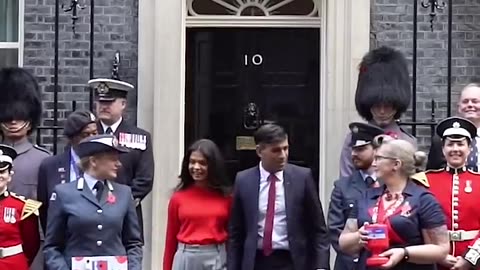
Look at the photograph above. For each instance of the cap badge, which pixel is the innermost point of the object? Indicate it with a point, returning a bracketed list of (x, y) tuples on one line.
[(355, 129), (92, 117), (102, 88), (456, 125)]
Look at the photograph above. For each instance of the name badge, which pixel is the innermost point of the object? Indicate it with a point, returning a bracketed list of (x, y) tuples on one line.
[(100, 262), (133, 141)]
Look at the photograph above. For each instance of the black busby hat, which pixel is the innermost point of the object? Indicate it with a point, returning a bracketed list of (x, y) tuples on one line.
[(363, 133), (7, 155), (99, 144), (383, 78), (77, 121), (20, 96), (456, 128)]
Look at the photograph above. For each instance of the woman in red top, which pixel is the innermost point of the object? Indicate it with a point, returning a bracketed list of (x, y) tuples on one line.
[(198, 212)]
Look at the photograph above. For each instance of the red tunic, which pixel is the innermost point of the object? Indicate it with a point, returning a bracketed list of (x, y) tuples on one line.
[(18, 225), (195, 216), (458, 193)]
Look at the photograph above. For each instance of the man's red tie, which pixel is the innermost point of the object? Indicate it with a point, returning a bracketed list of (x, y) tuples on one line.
[(268, 230)]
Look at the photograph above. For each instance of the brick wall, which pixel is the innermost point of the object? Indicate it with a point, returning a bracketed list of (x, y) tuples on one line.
[(392, 25), (116, 28)]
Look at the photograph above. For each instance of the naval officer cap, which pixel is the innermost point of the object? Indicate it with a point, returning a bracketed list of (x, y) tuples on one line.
[(7, 155), (110, 89), (77, 121), (99, 144), (363, 133), (456, 128)]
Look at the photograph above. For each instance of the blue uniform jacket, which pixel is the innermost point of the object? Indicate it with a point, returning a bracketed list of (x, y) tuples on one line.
[(79, 225)]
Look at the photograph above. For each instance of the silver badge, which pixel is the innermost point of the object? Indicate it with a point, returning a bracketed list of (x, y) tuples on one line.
[(468, 186), (9, 215)]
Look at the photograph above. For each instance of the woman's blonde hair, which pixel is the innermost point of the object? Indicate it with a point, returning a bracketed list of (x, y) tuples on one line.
[(84, 163), (404, 151)]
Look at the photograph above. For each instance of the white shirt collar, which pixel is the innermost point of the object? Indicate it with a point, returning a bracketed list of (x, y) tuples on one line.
[(114, 126), (264, 174), (91, 181)]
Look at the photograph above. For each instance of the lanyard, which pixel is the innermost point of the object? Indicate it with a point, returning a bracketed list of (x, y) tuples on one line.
[(385, 213)]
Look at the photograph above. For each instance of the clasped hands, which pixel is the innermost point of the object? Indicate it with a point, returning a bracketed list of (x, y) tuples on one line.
[(394, 255)]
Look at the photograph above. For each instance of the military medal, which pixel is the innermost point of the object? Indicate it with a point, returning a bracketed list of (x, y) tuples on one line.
[(9, 215), (468, 186)]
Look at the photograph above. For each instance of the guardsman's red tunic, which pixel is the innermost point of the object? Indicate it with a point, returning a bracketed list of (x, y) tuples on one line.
[(458, 192), (19, 232)]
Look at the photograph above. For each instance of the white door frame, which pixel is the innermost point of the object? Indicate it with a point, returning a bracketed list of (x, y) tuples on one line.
[(345, 28)]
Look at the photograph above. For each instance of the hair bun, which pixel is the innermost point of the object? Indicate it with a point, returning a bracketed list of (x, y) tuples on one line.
[(420, 159), (380, 139)]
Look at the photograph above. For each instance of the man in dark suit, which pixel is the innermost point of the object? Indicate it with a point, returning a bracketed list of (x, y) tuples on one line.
[(137, 165), (278, 226), (347, 190), (469, 108), (63, 168)]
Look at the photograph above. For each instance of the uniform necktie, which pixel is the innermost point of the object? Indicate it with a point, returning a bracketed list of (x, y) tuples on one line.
[(109, 130), (370, 182), (473, 157), (99, 188), (268, 229)]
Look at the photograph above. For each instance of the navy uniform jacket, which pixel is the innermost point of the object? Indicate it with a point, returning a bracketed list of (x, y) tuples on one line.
[(25, 180), (79, 225), (54, 170), (420, 210), (346, 164), (346, 192), (137, 165), (307, 232)]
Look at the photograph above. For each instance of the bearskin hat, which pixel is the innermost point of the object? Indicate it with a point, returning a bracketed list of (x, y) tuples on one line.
[(20, 96), (383, 78)]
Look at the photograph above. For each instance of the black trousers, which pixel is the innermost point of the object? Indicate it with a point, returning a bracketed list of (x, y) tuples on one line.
[(278, 260)]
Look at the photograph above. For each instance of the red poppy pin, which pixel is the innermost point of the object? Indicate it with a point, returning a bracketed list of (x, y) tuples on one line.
[(111, 199), (392, 134)]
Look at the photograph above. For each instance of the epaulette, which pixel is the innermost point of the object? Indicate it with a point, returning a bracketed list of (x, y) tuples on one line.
[(42, 149), (421, 178), (474, 172), (30, 207), (435, 170)]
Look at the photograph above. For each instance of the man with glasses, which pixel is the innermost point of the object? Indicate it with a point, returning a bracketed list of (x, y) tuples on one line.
[(455, 187), (347, 190)]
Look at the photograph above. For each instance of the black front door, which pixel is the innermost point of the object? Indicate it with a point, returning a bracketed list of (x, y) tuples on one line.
[(239, 79)]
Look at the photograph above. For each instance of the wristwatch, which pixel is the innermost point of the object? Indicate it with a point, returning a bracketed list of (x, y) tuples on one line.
[(406, 255)]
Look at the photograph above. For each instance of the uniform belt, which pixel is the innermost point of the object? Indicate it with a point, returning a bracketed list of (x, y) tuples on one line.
[(461, 235), (10, 251)]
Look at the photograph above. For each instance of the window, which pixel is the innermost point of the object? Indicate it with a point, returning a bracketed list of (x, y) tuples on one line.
[(11, 33)]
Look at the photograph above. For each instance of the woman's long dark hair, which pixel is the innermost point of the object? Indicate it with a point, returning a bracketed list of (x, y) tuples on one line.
[(217, 176)]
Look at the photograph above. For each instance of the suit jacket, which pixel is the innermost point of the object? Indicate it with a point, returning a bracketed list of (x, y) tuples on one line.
[(54, 170), (307, 232), (79, 225), (346, 192), (137, 165)]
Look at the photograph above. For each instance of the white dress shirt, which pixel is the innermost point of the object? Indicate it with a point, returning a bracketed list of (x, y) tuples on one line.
[(279, 234), (114, 127), (365, 175)]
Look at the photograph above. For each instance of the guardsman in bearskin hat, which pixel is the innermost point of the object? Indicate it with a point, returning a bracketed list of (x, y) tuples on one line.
[(19, 237), (20, 112), (382, 96), (456, 188)]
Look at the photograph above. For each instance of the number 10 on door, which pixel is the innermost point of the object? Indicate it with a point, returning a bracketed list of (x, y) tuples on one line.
[(256, 60)]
